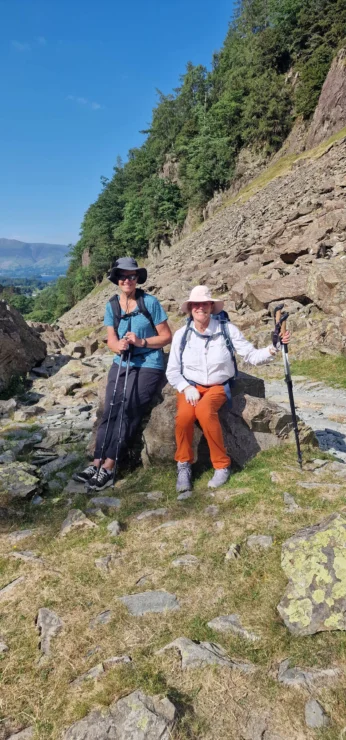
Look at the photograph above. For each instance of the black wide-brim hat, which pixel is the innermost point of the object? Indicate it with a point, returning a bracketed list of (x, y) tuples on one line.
[(126, 263)]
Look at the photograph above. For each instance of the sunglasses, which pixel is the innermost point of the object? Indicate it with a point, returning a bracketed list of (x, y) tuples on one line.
[(123, 277)]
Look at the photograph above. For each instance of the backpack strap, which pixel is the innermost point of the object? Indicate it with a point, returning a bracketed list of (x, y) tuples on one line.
[(143, 309), (183, 342), (115, 306), (228, 341)]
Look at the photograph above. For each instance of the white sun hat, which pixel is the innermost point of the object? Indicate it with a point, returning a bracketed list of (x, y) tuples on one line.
[(201, 294)]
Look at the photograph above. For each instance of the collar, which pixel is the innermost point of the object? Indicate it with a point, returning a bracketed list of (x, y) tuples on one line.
[(209, 331)]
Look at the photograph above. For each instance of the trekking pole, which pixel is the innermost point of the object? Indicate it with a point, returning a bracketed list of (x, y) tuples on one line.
[(122, 414), (109, 417), (280, 328)]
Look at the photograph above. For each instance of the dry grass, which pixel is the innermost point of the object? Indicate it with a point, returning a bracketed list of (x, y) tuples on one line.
[(214, 703)]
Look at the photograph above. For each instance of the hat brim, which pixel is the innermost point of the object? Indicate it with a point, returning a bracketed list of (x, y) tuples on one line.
[(113, 275), (218, 306)]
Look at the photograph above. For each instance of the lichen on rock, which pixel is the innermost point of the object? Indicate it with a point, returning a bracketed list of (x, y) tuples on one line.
[(314, 560)]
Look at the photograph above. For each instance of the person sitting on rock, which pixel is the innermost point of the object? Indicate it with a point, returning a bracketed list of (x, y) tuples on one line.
[(142, 326), (201, 365)]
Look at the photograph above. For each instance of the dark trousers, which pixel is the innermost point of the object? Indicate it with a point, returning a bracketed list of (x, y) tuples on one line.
[(141, 387)]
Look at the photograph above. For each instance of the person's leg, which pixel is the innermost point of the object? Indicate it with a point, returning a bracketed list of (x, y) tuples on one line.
[(113, 412), (207, 414), (184, 424)]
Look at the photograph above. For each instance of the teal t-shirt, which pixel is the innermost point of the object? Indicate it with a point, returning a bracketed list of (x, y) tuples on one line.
[(141, 326)]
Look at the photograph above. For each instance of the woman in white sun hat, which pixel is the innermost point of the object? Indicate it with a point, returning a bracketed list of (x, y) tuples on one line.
[(200, 366)]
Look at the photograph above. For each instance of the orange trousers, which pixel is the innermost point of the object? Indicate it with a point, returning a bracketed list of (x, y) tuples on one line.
[(205, 412)]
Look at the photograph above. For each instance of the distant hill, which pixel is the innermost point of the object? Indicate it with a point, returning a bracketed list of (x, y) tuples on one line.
[(22, 258)]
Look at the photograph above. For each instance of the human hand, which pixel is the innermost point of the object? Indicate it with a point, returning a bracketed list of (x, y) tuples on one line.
[(133, 339), (192, 395), (286, 337), (122, 345)]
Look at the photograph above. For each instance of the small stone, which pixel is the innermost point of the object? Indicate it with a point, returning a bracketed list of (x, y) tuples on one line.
[(315, 716), (92, 511), (7, 457), (3, 647), (75, 520), (49, 625), (26, 734), (232, 623), (37, 500), (114, 528), (115, 660), (152, 495), (259, 540), (7, 590), (185, 560), (275, 477), (21, 534), (102, 618), (151, 513), (233, 552), (94, 672), (106, 502), (72, 487), (150, 602), (211, 510), (167, 525), (27, 556), (184, 495), (200, 654), (61, 462), (219, 525), (290, 503), (105, 563), (307, 678)]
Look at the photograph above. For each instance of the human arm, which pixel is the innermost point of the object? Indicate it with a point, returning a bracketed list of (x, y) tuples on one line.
[(173, 374), (246, 349), (164, 337)]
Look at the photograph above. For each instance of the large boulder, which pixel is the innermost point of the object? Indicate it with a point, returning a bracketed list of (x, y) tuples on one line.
[(20, 347), (53, 337), (259, 293), (314, 560), (326, 287), (330, 114)]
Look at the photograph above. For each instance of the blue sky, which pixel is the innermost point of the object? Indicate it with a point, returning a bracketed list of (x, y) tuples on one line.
[(77, 84)]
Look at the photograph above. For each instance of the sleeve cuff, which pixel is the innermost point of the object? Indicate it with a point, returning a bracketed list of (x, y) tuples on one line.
[(182, 385)]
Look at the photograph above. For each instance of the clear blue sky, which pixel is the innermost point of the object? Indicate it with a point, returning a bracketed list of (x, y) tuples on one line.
[(77, 84)]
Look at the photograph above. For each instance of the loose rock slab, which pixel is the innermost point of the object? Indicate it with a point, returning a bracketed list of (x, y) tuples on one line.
[(10, 587), (151, 513), (150, 602), (49, 625), (136, 716), (314, 560), (232, 623), (106, 502), (74, 520), (185, 560), (315, 716), (114, 528), (200, 654), (17, 480), (307, 678), (262, 541), (26, 734)]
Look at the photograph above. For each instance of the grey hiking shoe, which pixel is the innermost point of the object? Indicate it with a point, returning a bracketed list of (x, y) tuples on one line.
[(219, 478), (184, 477)]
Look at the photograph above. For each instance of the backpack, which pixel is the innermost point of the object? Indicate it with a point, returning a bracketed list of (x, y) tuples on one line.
[(115, 305), (223, 319)]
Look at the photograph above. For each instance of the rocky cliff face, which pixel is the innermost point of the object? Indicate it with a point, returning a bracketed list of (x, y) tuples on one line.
[(20, 346), (330, 114), (284, 237)]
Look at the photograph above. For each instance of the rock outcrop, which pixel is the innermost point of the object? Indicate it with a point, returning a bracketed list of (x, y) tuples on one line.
[(53, 337), (330, 114), (20, 347)]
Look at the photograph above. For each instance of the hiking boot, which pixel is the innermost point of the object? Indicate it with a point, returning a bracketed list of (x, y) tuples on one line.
[(102, 480), (85, 475), (184, 477), (219, 478)]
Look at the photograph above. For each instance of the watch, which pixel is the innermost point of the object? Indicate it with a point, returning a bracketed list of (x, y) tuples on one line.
[(145, 344)]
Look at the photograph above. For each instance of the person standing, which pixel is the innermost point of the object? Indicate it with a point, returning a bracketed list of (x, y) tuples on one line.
[(145, 336), (200, 367)]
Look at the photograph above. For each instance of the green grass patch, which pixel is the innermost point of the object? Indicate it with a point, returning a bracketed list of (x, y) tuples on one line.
[(329, 369)]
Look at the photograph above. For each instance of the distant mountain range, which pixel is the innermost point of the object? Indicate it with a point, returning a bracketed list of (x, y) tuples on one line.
[(22, 259)]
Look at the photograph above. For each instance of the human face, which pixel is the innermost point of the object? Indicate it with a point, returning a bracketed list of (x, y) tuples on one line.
[(127, 281), (201, 310)]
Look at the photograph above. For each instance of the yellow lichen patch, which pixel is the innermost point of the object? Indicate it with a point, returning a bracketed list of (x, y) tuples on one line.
[(335, 621), (318, 596), (300, 611)]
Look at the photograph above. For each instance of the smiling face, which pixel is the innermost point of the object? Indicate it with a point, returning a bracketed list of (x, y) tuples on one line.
[(201, 310), (127, 281)]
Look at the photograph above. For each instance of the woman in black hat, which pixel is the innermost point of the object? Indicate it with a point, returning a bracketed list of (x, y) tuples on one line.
[(145, 332)]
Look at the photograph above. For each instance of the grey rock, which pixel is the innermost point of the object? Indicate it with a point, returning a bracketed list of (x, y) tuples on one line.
[(150, 602), (72, 487), (152, 495), (37, 500), (10, 587), (290, 504), (307, 678), (212, 510), (185, 560), (21, 534), (106, 502), (3, 647), (7, 457), (310, 485), (26, 734), (232, 623), (61, 462), (17, 480), (184, 495), (151, 513), (233, 552), (314, 561), (168, 525), (102, 618), (135, 717), (114, 528), (93, 673), (259, 540), (116, 660), (200, 654), (315, 716), (6, 407), (27, 555), (49, 625), (105, 563), (75, 520)]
